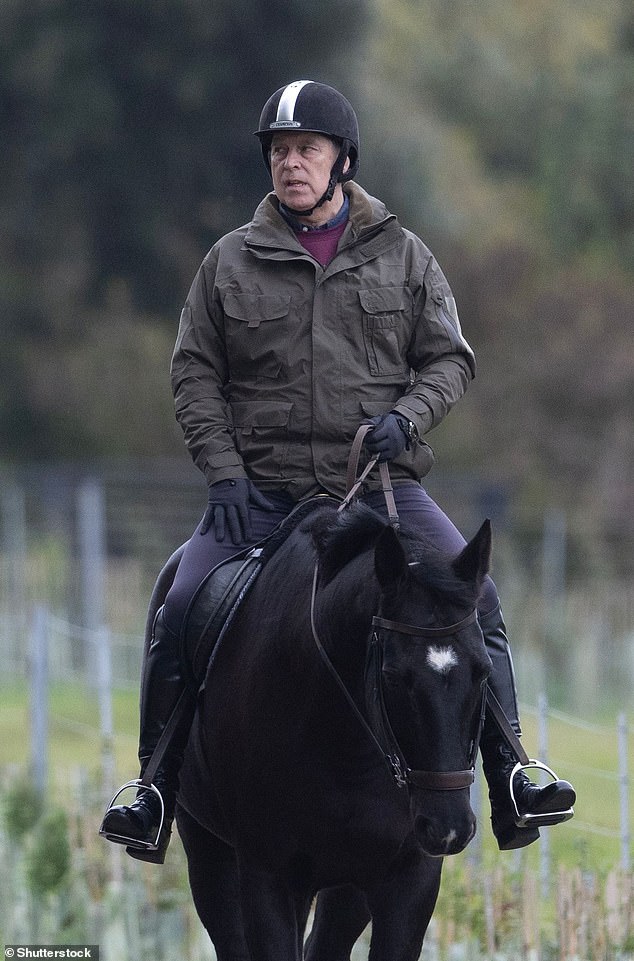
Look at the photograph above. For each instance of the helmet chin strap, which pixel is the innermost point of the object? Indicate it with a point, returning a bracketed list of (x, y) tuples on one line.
[(326, 197), (306, 213)]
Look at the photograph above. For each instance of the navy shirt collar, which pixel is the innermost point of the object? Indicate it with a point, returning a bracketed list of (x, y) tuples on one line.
[(299, 227)]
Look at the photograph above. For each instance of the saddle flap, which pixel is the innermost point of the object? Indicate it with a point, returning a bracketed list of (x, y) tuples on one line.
[(212, 609)]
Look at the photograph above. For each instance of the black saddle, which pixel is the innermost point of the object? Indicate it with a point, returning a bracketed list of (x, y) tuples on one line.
[(218, 597)]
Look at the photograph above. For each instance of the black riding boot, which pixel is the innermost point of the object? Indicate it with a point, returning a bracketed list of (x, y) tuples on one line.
[(161, 687), (547, 805)]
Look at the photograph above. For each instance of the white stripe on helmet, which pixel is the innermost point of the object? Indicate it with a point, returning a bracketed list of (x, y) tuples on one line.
[(286, 106)]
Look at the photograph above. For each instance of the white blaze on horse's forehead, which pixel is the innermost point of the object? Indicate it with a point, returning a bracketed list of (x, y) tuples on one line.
[(441, 659)]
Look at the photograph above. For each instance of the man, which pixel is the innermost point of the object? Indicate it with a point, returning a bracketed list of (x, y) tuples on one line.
[(320, 314)]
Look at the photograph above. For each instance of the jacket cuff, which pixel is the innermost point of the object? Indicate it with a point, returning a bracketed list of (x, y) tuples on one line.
[(215, 474), (422, 421), (223, 465)]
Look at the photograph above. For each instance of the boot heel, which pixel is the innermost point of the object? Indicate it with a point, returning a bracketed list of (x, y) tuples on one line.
[(156, 854)]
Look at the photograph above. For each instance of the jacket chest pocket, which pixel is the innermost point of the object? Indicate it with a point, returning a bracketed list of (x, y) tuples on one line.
[(257, 333), (386, 315)]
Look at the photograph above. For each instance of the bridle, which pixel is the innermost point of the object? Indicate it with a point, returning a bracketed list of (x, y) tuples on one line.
[(379, 720), (377, 725)]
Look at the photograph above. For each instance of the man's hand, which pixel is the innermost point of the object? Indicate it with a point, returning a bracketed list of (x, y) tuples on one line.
[(229, 506), (389, 436)]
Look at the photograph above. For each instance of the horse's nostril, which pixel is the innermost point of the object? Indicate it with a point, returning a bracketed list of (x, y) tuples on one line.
[(439, 840), (422, 825)]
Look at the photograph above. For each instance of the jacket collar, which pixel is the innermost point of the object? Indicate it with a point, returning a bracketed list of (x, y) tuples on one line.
[(268, 231)]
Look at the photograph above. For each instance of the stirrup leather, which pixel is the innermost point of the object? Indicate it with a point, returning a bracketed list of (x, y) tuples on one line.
[(135, 842), (539, 819)]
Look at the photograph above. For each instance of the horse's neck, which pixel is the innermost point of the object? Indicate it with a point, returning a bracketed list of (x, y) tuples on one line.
[(343, 618)]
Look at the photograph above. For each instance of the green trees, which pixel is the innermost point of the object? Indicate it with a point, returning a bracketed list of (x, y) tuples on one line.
[(528, 102), (128, 148), (509, 147), (498, 131)]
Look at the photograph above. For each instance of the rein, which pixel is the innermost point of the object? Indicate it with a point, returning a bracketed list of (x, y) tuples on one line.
[(353, 483), (378, 727)]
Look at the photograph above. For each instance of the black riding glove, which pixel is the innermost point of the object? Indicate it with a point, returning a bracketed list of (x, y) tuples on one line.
[(389, 436), (229, 506)]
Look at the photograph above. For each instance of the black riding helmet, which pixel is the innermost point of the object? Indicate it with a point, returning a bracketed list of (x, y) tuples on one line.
[(318, 108)]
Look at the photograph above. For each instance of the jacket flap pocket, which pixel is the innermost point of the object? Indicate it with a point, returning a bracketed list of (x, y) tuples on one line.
[(372, 408), (247, 415), (383, 300), (253, 308)]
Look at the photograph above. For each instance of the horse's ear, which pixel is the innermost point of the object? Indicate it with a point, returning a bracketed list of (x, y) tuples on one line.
[(473, 562), (390, 562)]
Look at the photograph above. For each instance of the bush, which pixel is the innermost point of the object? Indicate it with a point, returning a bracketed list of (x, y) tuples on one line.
[(22, 808), (48, 857)]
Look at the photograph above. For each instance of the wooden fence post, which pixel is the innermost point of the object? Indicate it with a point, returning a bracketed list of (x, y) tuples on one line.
[(542, 746), (624, 785), (13, 505), (91, 510), (102, 641), (39, 697)]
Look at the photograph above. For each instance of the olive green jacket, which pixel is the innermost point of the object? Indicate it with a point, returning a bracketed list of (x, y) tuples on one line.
[(278, 359)]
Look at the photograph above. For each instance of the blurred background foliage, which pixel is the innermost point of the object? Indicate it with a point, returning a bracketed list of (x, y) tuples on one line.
[(500, 131)]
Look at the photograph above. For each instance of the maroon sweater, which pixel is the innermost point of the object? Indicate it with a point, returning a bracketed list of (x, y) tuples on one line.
[(322, 244)]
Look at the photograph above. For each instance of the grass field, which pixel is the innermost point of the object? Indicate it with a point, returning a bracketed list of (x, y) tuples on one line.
[(492, 904), (583, 752)]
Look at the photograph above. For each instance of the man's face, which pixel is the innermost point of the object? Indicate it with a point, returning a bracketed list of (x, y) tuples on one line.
[(300, 167)]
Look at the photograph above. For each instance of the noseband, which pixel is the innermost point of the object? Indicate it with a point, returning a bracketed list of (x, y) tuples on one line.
[(378, 726)]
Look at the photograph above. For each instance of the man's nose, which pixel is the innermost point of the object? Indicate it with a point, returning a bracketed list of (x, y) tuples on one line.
[(292, 158)]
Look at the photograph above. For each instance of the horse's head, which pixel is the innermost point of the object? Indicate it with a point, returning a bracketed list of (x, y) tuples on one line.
[(426, 662), (426, 685)]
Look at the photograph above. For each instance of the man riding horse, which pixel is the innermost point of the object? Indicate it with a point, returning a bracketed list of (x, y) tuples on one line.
[(320, 314)]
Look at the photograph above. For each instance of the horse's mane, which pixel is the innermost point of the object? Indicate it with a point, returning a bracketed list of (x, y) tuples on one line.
[(341, 537)]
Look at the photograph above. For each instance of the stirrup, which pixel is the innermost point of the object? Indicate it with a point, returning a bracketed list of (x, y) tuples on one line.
[(539, 819), (137, 843)]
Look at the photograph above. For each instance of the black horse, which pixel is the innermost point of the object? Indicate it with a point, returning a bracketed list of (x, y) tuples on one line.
[(333, 744)]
